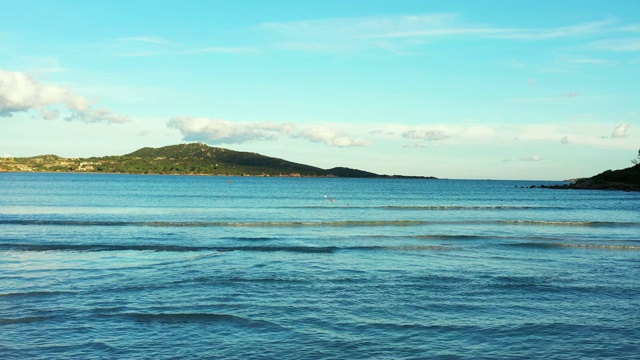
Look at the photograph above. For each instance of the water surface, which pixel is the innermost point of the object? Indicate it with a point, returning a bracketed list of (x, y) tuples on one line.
[(160, 267)]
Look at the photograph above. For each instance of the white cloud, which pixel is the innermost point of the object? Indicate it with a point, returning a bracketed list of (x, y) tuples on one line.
[(470, 133), (532, 158), (331, 137), (620, 131), (22, 93), (218, 131), (427, 135), (584, 131), (420, 145)]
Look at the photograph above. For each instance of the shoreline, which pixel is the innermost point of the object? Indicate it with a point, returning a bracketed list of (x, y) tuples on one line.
[(294, 175)]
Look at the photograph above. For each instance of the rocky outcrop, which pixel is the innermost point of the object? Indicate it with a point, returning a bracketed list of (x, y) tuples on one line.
[(626, 179)]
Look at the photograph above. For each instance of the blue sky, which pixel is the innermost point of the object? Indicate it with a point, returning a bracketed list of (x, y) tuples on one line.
[(453, 89)]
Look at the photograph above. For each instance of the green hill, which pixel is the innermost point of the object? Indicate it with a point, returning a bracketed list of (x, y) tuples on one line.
[(193, 159)]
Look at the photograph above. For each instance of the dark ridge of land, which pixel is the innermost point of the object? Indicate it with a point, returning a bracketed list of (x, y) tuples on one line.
[(625, 179), (183, 159)]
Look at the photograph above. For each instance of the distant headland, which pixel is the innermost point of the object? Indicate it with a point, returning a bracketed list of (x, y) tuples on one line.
[(184, 159), (625, 179)]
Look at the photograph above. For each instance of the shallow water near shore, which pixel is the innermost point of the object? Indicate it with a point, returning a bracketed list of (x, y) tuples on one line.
[(162, 267)]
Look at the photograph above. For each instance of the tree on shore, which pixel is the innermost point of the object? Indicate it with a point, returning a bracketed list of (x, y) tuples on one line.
[(636, 161)]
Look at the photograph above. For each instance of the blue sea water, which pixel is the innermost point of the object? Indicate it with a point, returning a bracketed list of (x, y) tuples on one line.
[(184, 267)]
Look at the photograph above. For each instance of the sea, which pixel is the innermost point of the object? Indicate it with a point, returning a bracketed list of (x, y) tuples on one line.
[(108, 266)]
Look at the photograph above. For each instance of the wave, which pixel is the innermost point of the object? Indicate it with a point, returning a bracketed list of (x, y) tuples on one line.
[(35, 293), (429, 207), (505, 238), (453, 237), (181, 317), (24, 320), (212, 250), (570, 223), (209, 251), (173, 318), (403, 248), (579, 246), (213, 224), (471, 207), (98, 247), (345, 223), (170, 248)]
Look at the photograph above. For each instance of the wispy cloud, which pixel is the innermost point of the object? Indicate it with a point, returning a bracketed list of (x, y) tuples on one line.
[(22, 93), (394, 32), (153, 46), (42, 65), (559, 32), (631, 28), (566, 96), (398, 34), (589, 61), (385, 27), (382, 26), (570, 94), (218, 50), (195, 51), (156, 40), (619, 45)]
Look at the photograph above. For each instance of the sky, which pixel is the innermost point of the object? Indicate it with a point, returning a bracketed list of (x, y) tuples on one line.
[(531, 90)]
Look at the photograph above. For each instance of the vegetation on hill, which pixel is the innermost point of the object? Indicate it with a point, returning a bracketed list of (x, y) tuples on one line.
[(193, 159), (625, 179)]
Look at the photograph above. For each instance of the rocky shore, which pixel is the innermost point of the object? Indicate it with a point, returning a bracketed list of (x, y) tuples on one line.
[(626, 180)]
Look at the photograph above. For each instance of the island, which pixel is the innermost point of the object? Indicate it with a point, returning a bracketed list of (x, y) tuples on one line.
[(184, 159)]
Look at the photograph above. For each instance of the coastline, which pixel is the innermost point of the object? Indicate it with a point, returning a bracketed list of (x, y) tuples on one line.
[(622, 180), (293, 175)]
